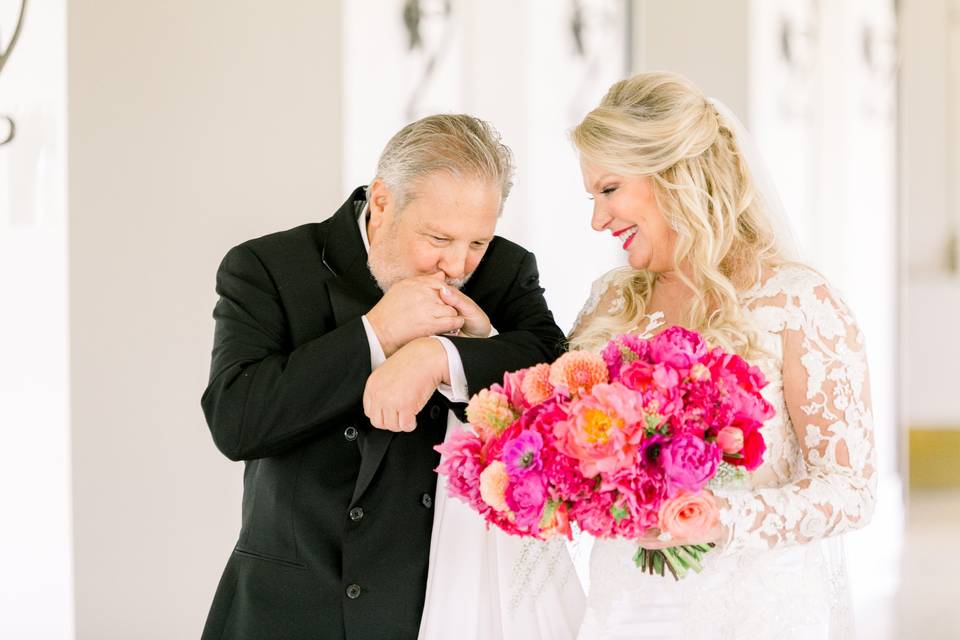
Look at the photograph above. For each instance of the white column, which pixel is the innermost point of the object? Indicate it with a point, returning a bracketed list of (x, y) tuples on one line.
[(36, 561)]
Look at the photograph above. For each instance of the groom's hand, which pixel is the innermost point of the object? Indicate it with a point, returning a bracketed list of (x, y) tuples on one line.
[(399, 388), (411, 309)]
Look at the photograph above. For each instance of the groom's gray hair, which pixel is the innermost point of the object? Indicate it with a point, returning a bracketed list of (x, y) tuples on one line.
[(458, 144)]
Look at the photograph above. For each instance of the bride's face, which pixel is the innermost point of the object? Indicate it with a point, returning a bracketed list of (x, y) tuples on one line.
[(626, 207)]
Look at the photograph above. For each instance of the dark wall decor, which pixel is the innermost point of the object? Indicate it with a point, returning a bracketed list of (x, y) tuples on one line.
[(4, 56), (429, 28)]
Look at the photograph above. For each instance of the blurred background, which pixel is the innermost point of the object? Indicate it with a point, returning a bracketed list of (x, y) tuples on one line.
[(140, 140)]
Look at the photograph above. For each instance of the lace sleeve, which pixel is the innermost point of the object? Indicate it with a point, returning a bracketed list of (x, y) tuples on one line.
[(826, 393), (604, 299)]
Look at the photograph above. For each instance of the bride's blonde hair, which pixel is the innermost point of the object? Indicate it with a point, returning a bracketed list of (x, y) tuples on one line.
[(662, 126)]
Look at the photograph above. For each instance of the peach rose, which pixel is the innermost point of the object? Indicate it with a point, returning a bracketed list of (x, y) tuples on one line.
[(689, 516)]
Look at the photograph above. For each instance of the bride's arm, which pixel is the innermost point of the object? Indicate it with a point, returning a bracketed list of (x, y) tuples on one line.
[(826, 390)]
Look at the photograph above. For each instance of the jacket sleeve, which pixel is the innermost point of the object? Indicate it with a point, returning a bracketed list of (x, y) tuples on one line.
[(264, 397), (528, 333)]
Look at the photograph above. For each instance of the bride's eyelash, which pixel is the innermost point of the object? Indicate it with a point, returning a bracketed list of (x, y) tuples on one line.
[(605, 191)]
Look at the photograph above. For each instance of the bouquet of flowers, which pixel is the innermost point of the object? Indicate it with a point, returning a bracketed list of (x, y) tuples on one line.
[(619, 443)]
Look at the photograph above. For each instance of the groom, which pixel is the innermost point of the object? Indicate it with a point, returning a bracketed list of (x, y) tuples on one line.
[(325, 375)]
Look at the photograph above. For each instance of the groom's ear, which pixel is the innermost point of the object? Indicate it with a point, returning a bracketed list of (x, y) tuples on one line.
[(381, 204)]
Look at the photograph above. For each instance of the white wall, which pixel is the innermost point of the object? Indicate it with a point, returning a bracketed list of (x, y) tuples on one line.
[(36, 591), (707, 41), (193, 126)]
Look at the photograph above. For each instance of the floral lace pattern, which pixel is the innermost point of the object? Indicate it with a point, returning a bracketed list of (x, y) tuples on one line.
[(781, 571)]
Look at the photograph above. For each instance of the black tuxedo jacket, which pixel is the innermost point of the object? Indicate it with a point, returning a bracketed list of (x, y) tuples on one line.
[(336, 515)]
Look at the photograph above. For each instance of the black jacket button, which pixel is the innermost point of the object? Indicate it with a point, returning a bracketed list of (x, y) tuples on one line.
[(350, 433), (426, 500), (356, 514), (434, 412), (353, 591)]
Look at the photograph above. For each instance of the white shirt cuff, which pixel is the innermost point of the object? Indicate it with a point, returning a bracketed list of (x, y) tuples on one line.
[(377, 356), (457, 390)]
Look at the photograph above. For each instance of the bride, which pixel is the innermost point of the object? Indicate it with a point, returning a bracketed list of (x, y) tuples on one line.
[(673, 178)]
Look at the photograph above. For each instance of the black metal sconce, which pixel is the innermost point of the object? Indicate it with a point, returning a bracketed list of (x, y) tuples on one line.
[(4, 56)]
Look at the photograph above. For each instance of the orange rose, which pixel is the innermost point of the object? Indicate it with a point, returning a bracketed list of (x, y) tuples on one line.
[(689, 516)]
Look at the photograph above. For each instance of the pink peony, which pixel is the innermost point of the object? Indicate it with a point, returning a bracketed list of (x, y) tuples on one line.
[(642, 491), (576, 372), (526, 497), (593, 514), (677, 347), (603, 430), (689, 463), (462, 464)]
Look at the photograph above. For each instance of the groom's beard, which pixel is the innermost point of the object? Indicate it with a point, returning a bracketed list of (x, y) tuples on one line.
[(386, 263)]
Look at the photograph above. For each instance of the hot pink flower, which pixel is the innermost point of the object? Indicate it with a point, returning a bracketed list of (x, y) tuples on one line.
[(622, 350), (677, 347), (526, 497), (522, 454), (753, 450), (689, 463), (513, 388), (462, 464), (603, 430)]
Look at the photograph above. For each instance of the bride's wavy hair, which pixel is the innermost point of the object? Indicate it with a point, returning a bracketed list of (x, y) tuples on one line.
[(662, 126)]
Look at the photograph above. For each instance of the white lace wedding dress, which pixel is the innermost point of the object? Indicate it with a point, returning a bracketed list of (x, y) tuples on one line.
[(781, 572)]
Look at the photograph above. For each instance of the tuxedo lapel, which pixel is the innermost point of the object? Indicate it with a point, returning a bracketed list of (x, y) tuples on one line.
[(353, 292)]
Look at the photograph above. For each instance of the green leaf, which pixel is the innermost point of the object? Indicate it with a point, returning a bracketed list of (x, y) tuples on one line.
[(548, 511), (618, 513)]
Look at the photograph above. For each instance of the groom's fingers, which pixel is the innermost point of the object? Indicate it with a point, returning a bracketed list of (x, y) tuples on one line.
[(406, 421)]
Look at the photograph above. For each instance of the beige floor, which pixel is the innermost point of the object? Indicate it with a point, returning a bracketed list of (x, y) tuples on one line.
[(909, 574), (927, 602)]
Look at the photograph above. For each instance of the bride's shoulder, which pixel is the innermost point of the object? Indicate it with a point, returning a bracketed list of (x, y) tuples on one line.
[(608, 288), (787, 280)]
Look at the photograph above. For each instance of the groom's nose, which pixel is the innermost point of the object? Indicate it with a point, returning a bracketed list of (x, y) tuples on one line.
[(453, 263)]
